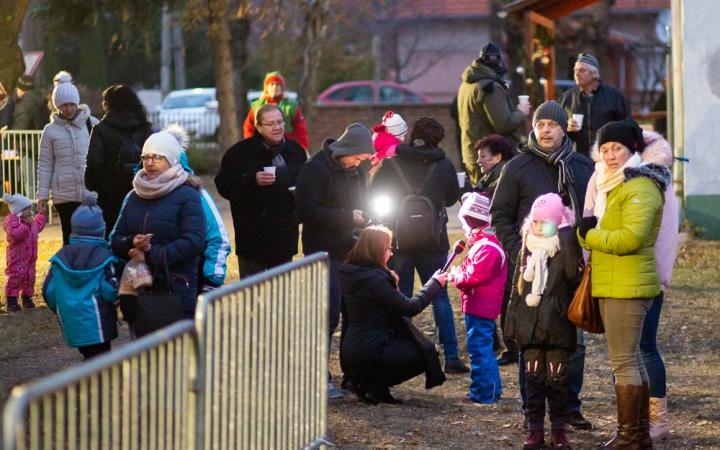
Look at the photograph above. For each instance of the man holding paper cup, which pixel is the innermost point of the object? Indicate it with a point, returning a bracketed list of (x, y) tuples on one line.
[(256, 175), (591, 104), (485, 107)]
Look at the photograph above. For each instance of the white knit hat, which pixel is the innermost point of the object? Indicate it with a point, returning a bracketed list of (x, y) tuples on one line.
[(165, 144), (475, 206), (395, 125), (65, 91), (17, 203)]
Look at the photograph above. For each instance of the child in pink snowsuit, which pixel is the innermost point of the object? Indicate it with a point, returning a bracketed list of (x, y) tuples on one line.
[(386, 137), (22, 231), (481, 280)]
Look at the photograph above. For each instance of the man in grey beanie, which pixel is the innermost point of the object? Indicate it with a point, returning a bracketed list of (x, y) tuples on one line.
[(546, 164), (597, 102), (329, 202)]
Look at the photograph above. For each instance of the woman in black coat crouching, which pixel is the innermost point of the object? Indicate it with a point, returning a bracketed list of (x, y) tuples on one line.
[(381, 347)]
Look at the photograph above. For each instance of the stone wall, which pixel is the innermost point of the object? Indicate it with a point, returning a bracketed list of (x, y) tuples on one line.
[(332, 120)]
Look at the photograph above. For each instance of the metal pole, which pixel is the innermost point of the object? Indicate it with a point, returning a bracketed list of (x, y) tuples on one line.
[(178, 53), (678, 104), (376, 57), (165, 52)]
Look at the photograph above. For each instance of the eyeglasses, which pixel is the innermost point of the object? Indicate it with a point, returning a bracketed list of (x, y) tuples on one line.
[(155, 158), (551, 125), (277, 123)]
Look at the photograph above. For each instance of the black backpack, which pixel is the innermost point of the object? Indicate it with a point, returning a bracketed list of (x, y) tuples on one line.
[(418, 225), (128, 156)]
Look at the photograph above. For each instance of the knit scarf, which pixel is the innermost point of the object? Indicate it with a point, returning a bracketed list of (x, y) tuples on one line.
[(560, 158), (542, 249), (607, 181), (165, 183)]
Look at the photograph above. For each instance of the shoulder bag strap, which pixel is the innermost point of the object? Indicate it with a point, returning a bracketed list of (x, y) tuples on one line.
[(428, 175), (168, 275)]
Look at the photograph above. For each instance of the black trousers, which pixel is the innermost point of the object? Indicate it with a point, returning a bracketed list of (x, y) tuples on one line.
[(90, 351), (251, 266), (65, 211), (546, 378)]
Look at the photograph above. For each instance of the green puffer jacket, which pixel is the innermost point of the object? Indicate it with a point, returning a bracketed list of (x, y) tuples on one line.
[(623, 257)]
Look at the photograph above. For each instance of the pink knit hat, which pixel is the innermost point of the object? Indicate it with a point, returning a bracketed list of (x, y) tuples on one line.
[(475, 211), (550, 208)]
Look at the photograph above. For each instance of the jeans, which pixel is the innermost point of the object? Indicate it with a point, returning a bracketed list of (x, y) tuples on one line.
[(485, 385), (426, 265), (649, 352), (575, 373)]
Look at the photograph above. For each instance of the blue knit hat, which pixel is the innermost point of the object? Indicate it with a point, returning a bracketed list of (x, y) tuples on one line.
[(87, 220)]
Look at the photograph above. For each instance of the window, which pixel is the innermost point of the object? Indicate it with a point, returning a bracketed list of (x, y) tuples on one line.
[(391, 95), (186, 101), (412, 98), (337, 94), (359, 94)]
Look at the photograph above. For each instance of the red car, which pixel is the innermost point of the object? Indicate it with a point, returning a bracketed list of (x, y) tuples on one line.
[(359, 92)]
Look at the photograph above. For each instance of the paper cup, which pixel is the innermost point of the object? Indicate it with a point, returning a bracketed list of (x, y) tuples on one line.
[(461, 179), (524, 99), (291, 189), (270, 169), (579, 119)]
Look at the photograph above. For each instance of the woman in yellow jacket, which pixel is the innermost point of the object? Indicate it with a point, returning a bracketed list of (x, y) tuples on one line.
[(621, 236)]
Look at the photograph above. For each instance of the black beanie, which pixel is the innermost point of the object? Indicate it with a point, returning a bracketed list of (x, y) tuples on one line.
[(491, 56), (627, 132), (25, 83), (551, 110)]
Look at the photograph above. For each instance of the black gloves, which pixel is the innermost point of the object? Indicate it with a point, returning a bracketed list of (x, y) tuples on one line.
[(586, 224)]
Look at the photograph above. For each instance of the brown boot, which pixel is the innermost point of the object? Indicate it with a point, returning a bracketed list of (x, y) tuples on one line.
[(535, 440), (644, 439), (628, 406)]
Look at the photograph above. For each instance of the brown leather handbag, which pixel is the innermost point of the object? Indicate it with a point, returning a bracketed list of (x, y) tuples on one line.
[(584, 309)]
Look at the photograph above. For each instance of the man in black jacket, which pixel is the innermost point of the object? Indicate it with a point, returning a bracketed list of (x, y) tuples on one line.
[(599, 103), (263, 208), (547, 163), (329, 201), (441, 187)]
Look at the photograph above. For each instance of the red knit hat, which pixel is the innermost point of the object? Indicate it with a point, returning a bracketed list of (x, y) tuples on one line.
[(273, 77)]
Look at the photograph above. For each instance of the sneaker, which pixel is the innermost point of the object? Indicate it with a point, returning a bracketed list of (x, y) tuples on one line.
[(559, 440), (469, 400), (535, 440), (27, 302), (456, 366), (334, 393), (12, 304), (577, 421)]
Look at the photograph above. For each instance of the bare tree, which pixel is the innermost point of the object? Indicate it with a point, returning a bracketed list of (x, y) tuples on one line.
[(12, 64), (223, 68)]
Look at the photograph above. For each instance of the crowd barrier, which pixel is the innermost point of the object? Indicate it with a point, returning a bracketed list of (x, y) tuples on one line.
[(249, 373), (20, 149)]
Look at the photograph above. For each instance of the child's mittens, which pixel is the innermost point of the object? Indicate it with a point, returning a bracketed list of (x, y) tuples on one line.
[(532, 300)]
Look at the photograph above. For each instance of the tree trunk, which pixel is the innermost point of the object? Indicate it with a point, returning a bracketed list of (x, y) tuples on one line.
[(12, 64), (239, 24), (222, 63), (315, 28), (601, 24)]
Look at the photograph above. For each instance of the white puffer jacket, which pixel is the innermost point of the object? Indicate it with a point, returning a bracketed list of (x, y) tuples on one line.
[(63, 157)]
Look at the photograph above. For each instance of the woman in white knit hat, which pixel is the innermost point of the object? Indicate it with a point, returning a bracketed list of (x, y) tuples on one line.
[(63, 149), (163, 220)]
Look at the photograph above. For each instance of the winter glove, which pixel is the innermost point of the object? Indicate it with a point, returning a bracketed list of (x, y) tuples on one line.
[(586, 224)]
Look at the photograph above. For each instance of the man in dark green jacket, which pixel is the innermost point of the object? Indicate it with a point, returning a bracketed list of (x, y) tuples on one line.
[(485, 107), (31, 112)]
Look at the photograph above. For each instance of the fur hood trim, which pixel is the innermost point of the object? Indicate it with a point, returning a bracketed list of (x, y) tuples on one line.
[(657, 150), (660, 175)]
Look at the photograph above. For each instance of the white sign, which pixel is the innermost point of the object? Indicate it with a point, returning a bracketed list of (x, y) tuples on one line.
[(32, 59)]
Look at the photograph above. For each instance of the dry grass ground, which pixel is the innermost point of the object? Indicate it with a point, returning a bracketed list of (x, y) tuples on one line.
[(32, 346)]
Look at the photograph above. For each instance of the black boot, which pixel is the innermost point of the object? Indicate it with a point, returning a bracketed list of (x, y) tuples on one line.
[(27, 302), (12, 304)]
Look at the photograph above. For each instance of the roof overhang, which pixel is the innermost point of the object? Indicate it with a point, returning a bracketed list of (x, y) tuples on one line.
[(552, 9)]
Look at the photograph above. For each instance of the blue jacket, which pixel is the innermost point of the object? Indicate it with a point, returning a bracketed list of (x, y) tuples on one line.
[(80, 288), (177, 223)]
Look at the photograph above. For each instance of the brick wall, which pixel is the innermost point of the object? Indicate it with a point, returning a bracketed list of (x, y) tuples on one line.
[(331, 121)]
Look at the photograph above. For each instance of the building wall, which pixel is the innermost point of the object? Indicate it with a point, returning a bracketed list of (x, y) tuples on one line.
[(331, 122), (701, 113)]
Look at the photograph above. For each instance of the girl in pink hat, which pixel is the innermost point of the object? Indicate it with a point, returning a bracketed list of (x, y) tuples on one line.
[(386, 137)]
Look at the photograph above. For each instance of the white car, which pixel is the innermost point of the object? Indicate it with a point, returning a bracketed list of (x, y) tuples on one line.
[(194, 109)]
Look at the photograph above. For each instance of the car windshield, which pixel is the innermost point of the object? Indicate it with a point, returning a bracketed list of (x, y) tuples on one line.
[(186, 101)]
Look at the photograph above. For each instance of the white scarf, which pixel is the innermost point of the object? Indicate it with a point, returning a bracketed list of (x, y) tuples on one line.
[(542, 249), (165, 183), (607, 181)]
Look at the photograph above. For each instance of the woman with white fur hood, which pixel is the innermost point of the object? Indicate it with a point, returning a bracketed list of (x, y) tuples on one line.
[(63, 152), (657, 151)]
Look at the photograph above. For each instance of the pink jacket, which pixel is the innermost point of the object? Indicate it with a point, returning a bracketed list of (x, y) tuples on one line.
[(22, 249), (385, 144), (657, 151), (482, 277)]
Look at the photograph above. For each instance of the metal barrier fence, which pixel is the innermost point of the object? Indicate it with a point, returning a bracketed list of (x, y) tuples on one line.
[(251, 373), (20, 149), (198, 124)]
